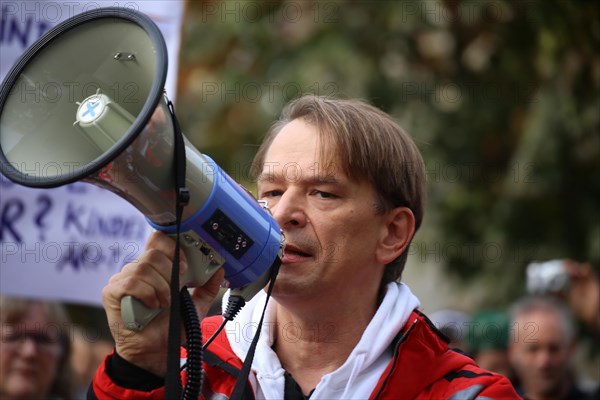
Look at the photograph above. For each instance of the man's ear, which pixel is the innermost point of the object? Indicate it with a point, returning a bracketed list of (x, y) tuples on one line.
[(396, 234)]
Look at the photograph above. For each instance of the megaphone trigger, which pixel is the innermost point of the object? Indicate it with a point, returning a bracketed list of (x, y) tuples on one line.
[(202, 258)]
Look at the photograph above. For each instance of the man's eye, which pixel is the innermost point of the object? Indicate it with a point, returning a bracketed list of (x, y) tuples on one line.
[(271, 193), (324, 195)]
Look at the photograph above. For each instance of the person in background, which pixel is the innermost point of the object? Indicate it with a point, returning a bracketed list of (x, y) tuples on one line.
[(88, 351), (583, 294), (541, 349), (487, 341), (34, 350)]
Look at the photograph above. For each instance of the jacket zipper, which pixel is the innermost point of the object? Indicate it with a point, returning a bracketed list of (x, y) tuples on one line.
[(395, 357)]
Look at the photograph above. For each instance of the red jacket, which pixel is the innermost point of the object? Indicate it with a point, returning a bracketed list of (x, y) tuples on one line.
[(422, 368)]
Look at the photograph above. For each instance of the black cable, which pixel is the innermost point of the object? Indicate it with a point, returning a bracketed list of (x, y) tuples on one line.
[(234, 305), (194, 347)]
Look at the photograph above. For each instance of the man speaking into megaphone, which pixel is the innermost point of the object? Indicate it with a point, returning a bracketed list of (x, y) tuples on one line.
[(339, 180), (346, 185)]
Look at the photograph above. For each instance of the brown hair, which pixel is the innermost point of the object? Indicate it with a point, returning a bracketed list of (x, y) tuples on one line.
[(13, 310), (368, 145)]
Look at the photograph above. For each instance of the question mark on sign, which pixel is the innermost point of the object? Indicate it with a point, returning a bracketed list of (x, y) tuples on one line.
[(46, 203)]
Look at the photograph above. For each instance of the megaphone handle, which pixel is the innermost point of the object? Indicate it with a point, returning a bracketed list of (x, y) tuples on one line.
[(135, 314), (203, 261)]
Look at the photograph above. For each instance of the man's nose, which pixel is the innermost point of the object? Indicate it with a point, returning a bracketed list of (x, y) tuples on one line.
[(543, 359), (290, 210)]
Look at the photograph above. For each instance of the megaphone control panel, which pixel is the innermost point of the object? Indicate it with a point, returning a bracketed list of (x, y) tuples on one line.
[(227, 234)]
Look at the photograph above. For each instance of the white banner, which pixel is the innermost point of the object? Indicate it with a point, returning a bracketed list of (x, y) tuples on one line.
[(65, 243)]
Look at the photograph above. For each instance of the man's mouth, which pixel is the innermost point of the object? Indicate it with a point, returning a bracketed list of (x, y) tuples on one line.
[(292, 253)]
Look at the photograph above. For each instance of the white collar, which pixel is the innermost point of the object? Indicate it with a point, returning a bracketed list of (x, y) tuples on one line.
[(358, 375)]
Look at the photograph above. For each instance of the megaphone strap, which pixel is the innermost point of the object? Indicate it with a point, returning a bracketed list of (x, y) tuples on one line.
[(242, 380), (173, 378)]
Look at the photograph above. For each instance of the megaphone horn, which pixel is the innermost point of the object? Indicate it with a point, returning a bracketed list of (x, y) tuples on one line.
[(125, 144)]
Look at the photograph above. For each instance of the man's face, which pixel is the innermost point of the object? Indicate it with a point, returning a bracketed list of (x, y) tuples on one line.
[(540, 352), (330, 222)]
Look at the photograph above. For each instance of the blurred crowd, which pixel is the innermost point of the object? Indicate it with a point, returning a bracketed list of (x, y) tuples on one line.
[(534, 341), (43, 355)]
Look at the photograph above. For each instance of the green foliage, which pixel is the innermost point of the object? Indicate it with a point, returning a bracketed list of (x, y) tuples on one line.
[(502, 97)]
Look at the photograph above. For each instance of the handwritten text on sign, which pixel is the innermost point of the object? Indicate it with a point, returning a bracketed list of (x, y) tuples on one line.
[(69, 239)]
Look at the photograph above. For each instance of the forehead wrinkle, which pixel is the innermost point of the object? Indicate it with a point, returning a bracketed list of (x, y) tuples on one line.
[(324, 179), (295, 158), (316, 179), (311, 177), (266, 177)]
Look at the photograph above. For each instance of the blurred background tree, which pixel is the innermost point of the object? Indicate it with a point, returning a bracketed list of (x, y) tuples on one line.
[(502, 97)]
